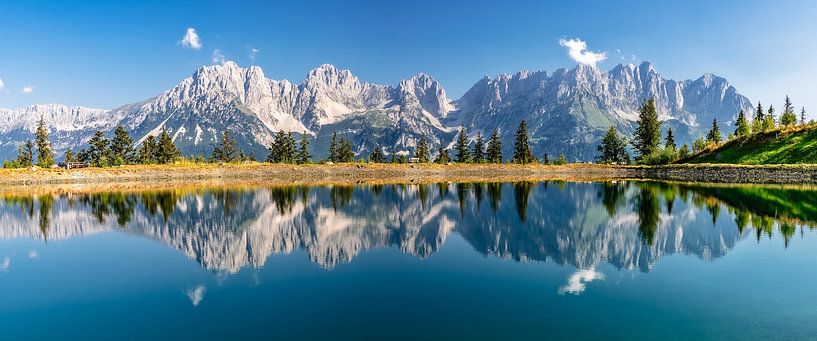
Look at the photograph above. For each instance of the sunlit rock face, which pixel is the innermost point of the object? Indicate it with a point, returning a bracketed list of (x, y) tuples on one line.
[(627, 225)]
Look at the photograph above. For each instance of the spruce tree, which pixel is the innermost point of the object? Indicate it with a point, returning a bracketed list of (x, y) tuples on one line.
[(45, 158), (769, 120), (98, 150), (442, 156), (226, 150), (545, 159), (669, 142), (522, 153), (648, 133), (789, 118), (121, 147), (303, 150), (714, 135), (147, 152), (25, 154), (757, 122), (613, 149), (333, 148), (421, 153), (803, 116), (166, 149), (742, 129), (479, 149), (69, 156), (377, 155), (463, 155), (495, 148), (345, 153)]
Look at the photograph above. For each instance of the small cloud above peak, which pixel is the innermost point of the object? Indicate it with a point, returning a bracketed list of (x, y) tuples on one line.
[(577, 50), (191, 39), (28, 89), (219, 57), (2, 84)]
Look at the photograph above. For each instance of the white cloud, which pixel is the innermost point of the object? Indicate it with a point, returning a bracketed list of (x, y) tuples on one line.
[(253, 53), (191, 39), (218, 57), (5, 264), (28, 89), (2, 84), (196, 295), (577, 282), (577, 50)]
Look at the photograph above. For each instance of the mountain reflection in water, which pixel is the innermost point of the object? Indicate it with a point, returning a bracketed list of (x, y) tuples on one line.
[(629, 225)]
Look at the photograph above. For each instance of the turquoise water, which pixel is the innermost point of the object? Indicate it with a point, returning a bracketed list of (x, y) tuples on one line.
[(536, 260)]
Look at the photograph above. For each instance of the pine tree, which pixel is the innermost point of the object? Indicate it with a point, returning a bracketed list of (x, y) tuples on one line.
[(545, 159), (98, 150), (226, 150), (463, 155), (345, 153), (303, 150), (789, 118), (613, 149), (757, 122), (495, 148), (377, 155), (522, 153), (333, 148), (669, 142), (45, 158), (68, 156), (166, 149), (147, 153), (803, 116), (714, 135), (479, 149), (122, 151), (282, 149), (742, 129), (648, 133), (421, 153), (25, 154), (442, 156), (769, 120)]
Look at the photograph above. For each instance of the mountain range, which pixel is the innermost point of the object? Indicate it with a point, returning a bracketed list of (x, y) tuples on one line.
[(567, 110)]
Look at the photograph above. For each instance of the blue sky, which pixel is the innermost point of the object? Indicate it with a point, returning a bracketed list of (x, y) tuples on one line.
[(108, 53)]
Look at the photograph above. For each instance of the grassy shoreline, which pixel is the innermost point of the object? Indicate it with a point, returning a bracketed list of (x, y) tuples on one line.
[(282, 174)]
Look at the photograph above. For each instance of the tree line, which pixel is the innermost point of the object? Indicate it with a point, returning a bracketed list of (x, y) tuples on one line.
[(649, 149)]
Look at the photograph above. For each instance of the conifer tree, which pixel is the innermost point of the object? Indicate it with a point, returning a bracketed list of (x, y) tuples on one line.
[(648, 133), (769, 120), (479, 149), (789, 118), (333, 148), (522, 153), (303, 150), (148, 150), (345, 153), (613, 149), (166, 149), (757, 122), (421, 153), (122, 151), (226, 150), (25, 154), (714, 135), (669, 142), (742, 129), (393, 158), (442, 156), (377, 155), (282, 149), (98, 150), (69, 156), (545, 159), (45, 158), (463, 155), (495, 148), (803, 116)]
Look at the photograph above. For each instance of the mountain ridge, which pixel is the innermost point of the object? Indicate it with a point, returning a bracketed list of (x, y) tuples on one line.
[(567, 109)]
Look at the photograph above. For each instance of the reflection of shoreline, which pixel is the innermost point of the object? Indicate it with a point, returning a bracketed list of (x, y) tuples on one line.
[(628, 225)]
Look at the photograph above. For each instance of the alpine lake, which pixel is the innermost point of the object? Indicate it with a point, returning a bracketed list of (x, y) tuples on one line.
[(526, 260)]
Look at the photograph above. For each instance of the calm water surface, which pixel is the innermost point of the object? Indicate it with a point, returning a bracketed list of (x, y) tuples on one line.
[(469, 261)]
